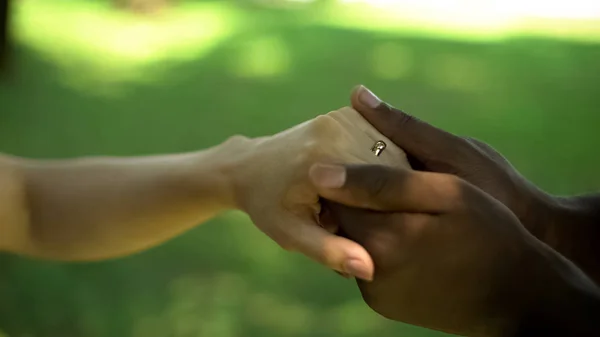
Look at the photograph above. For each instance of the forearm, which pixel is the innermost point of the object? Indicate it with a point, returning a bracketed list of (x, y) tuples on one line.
[(574, 230), (96, 208), (574, 316), (566, 302)]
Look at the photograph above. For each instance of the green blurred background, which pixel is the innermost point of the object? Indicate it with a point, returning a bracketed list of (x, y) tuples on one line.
[(93, 78)]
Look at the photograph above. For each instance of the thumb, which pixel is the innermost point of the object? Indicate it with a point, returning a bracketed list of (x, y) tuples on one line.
[(419, 139), (382, 188), (336, 252)]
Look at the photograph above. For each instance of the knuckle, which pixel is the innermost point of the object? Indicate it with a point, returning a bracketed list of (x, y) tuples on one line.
[(377, 185), (401, 120), (381, 245), (388, 243), (237, 139), (314, 152), (415, 229), (322, 125), (378, 182), (323, 135), (313, 149)]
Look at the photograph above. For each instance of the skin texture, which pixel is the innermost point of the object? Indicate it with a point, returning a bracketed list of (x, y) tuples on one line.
[(570, 225), (450, 257), (98, 208), (284, 205)]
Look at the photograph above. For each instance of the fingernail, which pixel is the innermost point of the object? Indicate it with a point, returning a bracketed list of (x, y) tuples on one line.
[(368, 98), (328, 176), (358, 269)]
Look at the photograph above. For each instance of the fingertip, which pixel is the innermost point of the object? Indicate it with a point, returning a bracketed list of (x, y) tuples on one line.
[(344, 255), (358, 263), (358, 269), (354, 96), (327, 176), (333, 251), (367, 98)]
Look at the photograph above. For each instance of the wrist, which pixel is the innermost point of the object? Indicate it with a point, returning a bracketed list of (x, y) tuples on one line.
[(213, 173), (577, 211), (234, 158), (574, 225), (562, 300), (550, 218), (539, 212)]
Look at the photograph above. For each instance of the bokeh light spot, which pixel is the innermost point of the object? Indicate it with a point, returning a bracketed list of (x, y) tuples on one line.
[(284, 316), (355, 318), (391, 61), (455, 72), (266, 56), (91, 44)]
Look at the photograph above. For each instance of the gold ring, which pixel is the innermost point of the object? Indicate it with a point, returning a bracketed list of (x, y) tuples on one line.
[(378, 147)]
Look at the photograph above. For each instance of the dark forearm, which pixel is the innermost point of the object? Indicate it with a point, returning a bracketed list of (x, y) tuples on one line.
[(564, 301), (574, 316), (574, 230)]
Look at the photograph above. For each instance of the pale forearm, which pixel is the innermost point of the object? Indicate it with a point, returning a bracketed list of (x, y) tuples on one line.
[(105, 207), (96, 208)]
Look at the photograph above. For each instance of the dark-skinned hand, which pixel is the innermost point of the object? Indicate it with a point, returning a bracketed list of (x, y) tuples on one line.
[(435, 150), (569, 225), (447, 255)]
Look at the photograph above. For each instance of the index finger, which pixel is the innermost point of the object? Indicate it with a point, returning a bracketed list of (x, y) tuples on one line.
[(382, 188), (419, 139)]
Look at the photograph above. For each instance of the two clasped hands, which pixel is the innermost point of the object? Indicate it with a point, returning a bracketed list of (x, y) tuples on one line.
[(456, 241)]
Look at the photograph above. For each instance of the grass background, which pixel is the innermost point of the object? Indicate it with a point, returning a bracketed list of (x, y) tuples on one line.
[(90, 80)]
